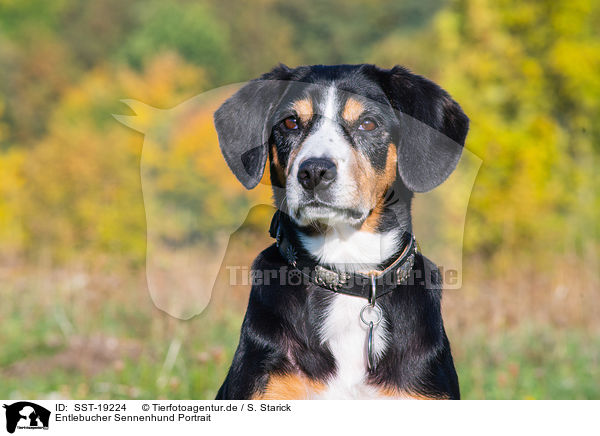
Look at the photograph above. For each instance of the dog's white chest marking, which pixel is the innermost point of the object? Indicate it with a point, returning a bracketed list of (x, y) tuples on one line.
[(346, 337), (342, 330)]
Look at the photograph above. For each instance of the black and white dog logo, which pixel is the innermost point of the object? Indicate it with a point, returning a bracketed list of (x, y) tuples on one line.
[(26, 415)]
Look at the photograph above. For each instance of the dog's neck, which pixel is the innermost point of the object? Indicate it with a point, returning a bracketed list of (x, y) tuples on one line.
[(352, 250)]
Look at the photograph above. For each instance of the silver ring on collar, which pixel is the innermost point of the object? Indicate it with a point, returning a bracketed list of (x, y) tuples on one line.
[(378, 313)]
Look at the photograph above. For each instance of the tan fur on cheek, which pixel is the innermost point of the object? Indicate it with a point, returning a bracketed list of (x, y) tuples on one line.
[(382, 183), (391, 165), (363, 175), (289, 387), (373, 219), (279, 173), (304, 109), (352, 110)]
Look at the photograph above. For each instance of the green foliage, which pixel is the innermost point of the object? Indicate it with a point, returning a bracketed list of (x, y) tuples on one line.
[(188, 29), (350, 29)]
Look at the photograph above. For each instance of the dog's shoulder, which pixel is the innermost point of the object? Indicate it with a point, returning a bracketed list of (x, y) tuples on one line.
[(427, 275), (269, 258), (273, 301)]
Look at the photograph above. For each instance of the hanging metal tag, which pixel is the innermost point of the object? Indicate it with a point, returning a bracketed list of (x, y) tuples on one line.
[(371, 322), (370, 354)]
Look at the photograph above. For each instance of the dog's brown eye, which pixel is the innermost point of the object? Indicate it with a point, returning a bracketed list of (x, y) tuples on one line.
[(290, 123), (367, 124)]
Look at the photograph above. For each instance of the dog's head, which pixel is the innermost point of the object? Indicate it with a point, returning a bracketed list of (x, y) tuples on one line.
[(338, 137)]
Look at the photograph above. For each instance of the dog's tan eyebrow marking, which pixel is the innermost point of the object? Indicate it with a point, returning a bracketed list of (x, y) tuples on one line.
[(304, 109), (352, 110)]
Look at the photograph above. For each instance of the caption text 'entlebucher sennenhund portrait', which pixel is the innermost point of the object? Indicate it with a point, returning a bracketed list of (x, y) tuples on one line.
[(347, 306)]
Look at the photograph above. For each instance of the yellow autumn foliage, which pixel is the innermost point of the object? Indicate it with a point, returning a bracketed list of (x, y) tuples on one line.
[(74, 180)]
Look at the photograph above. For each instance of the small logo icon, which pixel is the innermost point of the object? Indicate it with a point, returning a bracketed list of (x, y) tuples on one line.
[(26, 415)]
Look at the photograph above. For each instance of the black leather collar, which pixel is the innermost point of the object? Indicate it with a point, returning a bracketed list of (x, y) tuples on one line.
[(369, 286)]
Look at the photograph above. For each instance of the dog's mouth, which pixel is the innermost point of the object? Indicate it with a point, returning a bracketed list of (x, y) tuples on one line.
[(318, 212)]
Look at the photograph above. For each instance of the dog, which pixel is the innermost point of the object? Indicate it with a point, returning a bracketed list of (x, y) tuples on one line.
[(346, 306)]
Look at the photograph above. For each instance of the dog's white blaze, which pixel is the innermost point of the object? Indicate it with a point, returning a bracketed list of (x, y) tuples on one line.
[(327, 139), (329, 110)]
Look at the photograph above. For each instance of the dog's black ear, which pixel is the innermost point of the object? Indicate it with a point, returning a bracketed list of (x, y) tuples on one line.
[(433, 129), (244, 125)]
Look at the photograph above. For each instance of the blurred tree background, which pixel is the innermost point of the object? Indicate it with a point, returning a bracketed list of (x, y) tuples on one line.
[(72, 213)]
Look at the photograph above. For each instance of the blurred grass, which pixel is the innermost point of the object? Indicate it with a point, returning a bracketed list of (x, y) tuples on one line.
[(529, 362), (70, 334), (60, 343)]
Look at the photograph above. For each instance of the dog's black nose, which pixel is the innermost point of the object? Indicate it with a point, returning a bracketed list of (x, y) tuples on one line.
[(316, 172)]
